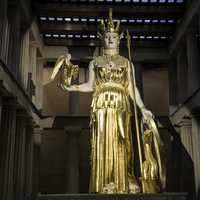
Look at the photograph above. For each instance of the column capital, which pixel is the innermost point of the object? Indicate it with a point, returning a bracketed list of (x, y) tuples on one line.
[(186, 122)]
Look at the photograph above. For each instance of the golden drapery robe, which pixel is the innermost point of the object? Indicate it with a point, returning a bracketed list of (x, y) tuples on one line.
[(112, 151)]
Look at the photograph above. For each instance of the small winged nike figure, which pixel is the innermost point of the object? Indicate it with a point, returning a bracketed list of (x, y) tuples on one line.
[(68, 70)]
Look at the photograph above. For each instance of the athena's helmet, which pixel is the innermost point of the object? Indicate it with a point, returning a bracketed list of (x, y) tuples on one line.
[(109, 25)]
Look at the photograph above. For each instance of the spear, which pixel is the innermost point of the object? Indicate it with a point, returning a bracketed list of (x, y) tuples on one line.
[(134, 101)]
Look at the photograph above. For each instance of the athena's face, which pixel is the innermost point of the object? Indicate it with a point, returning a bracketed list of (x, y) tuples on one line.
[(111, 40)]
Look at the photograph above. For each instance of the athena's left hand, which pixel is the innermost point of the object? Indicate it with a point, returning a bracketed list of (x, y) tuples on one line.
[(147, 115)]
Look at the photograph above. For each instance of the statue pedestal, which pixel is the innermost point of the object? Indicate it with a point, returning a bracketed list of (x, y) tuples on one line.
[(161, 196)]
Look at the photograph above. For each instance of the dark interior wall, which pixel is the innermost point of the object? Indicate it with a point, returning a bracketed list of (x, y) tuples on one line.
[(156, 90)]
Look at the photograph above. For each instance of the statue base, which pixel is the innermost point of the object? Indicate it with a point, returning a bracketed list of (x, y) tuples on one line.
[(160, 196)]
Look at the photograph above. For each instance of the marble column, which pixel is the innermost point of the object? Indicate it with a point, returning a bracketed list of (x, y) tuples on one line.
[(24, 59), (3, 30), (74, 103), (39, 83), (196, 152), (19, 167), (14, 38), (33, 69), (0, 110), (73, 133), (199, 23), (36, 161), (29, 160), (74, 100), (182, 71), (33, 60), (72, 159), (187, 165), (7, 144), (186, 136), (173, 84), (193, 56)]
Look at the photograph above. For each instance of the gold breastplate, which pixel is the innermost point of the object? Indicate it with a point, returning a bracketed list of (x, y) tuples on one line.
[(111, 70), (111, 84)]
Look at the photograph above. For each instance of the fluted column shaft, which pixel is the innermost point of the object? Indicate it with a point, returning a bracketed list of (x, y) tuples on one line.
[(14, 39), (3, 30), (20, 143), (182, 72), (196, 152), (187, 183), (29, 161), (73, 157), (24, 59), (173, 84), (193, 55), (8, 127)]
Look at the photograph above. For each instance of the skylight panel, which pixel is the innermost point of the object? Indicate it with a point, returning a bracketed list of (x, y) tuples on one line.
[(59, 19), (170, 21), (155, 21), (43, 18), (123, 20), (147, 21), (84, 36), (47, 35), (84, 19), (149, 37), (91, 20), (131, 20), (139, 20), (55, 35), (67, 19), (63, 36), (51, 18), (163, 37), (156, 37), (144, 1), (76, 19), (163, 21), (77, 36)]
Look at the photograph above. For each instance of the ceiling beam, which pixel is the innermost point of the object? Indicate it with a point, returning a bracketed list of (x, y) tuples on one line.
[(183, 27), (97, 43), (68, 28), (73, 10)]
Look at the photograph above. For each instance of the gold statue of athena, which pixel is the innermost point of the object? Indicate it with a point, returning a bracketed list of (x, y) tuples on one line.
[(112, 81)]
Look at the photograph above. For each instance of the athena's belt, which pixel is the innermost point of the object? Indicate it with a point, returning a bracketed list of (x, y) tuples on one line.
[(110, 86)]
